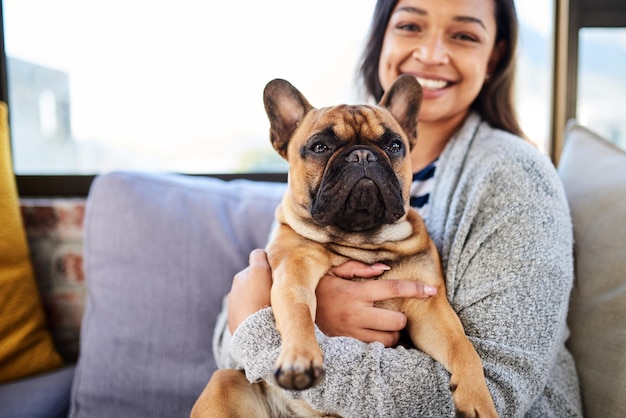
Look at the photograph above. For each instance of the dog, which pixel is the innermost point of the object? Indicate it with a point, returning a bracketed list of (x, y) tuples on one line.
[(347, 198)]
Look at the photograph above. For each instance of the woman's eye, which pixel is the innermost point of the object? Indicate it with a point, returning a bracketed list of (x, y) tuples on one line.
[(319, 148), (466, 37), (409, 27), (395, 147)]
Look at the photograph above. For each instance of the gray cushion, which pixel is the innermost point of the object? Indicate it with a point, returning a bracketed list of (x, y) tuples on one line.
[(593, 172), (160, 253)]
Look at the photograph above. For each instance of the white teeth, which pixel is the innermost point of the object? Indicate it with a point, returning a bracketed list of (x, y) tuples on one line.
[(431, 84)]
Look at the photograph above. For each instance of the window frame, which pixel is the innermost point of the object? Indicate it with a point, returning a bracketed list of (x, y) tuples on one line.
[(570, 17), (51, 186)]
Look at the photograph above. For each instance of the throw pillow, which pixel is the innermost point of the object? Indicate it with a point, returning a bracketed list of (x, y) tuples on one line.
[(27, 346), (160, 254), (593, 172)]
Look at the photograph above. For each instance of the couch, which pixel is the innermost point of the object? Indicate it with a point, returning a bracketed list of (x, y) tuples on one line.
[(160, 251)]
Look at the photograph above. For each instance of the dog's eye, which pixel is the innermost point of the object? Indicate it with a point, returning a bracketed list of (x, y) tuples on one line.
[(319, 148), (395, 147)]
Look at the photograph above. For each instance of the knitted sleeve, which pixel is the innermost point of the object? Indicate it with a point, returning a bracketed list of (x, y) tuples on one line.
[(362, 380)]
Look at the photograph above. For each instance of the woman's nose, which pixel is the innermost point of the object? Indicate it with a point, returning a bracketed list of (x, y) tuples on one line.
[(431, 51)]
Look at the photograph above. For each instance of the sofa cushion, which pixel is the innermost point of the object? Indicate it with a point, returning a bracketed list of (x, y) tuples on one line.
[(160, 253), (593, 172), (26, 345)]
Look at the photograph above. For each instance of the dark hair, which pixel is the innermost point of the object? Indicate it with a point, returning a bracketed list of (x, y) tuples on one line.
[(495, 100)]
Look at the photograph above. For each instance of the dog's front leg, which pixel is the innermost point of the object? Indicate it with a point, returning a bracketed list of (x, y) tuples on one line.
[(300, 364), (295, 276), (437, 330)]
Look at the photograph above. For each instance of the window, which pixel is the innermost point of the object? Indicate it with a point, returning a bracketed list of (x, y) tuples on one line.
[(601, 83), (534, 69), (177, 86), (163, 85)]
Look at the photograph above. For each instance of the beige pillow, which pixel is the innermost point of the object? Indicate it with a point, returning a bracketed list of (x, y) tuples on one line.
[(25, 345), (593, 172)]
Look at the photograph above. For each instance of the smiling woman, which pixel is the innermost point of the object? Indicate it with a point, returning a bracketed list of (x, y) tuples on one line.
[(178, 87)]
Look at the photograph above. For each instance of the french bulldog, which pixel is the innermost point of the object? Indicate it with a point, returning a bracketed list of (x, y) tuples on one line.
[(347, 199)]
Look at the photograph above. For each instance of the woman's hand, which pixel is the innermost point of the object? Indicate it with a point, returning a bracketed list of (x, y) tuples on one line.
[(250, 291), (346, 307)]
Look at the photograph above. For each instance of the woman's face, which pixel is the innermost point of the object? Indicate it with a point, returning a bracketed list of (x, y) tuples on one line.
[(447, 45)]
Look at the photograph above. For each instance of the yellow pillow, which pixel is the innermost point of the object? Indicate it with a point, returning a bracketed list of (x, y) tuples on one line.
[(26, 346)]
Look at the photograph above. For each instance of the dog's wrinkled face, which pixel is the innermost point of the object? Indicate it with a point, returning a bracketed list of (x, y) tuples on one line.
[(349, 166)]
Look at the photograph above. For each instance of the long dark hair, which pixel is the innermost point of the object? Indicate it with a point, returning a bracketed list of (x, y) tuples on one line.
[(495, 100)]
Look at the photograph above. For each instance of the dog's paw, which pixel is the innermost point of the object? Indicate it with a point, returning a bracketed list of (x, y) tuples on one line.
[(300, 366), (298, 378), (472, 401)]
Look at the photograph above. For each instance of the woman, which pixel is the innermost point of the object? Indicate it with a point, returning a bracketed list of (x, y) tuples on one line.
[(496, 211)]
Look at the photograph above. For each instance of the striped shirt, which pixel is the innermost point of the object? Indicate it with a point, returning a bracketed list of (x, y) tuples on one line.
[(422, 185)]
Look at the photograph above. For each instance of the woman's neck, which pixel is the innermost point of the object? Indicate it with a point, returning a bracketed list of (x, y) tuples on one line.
[(432, 138)]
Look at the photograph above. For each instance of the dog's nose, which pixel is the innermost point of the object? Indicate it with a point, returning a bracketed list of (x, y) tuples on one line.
[(361, 156)]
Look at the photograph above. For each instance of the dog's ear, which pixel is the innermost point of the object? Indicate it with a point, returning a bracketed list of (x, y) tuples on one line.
[(285, 107), (403, 100)]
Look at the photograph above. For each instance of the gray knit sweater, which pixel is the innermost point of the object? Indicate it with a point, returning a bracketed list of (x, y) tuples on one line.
[(501, 223)]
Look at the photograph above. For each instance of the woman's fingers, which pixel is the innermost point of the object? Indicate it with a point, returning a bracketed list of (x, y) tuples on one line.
[(258, 258), (353, 269), (377, 290), (346, 307), (383, 289)]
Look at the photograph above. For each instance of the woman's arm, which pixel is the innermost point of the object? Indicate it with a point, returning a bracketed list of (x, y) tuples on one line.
[(361, 379)]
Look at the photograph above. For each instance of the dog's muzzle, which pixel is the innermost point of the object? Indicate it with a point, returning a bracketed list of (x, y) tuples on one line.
[(360, 191)]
